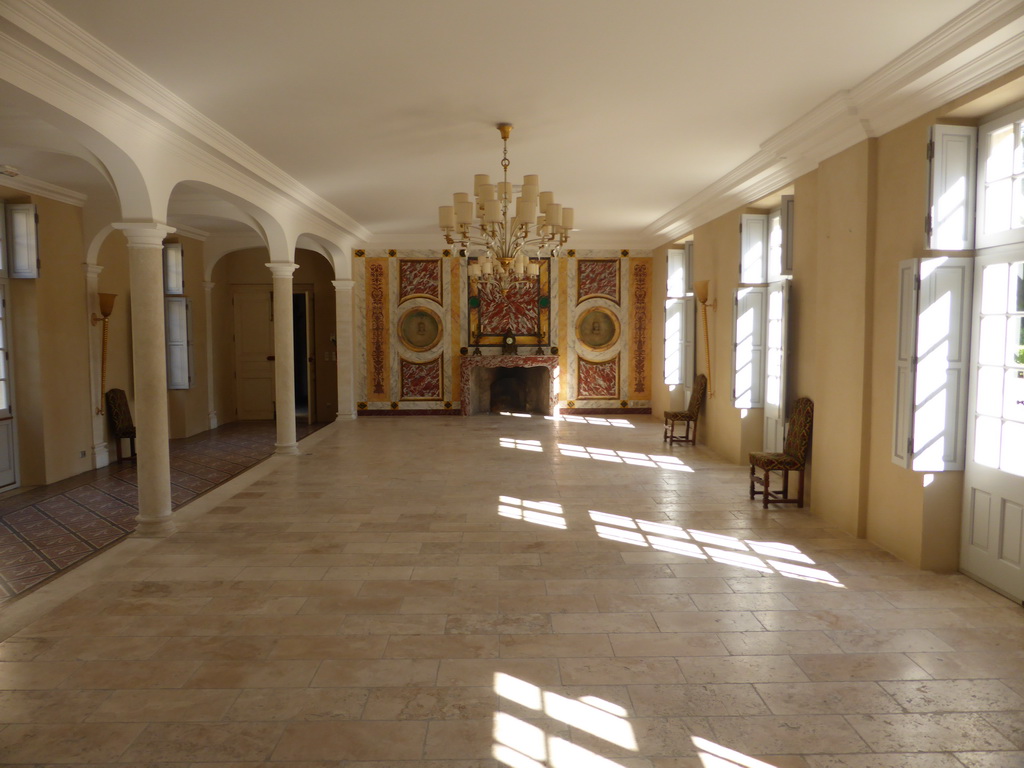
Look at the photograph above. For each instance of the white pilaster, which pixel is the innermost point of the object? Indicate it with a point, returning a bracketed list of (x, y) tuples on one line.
[(345, 348), (149, 360), (284, 357), (211, 393), (100, 448)]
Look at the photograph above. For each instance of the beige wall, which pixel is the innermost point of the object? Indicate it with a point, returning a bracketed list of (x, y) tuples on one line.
[(50, 359)]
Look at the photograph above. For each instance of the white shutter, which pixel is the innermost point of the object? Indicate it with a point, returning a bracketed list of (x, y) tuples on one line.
[(748, 347), (953, 153), (179, 363), (680, 338), (932, 363), (22, 240), (174, 273), (3, 240), (753, 248), (776, 332)]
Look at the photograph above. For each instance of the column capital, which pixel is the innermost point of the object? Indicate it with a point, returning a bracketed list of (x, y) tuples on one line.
[(91, 270), (143, 233), (282, 268), (208, 286), (343, 285)]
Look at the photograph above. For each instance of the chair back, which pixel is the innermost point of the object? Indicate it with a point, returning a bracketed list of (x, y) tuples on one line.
[(798, 429), (119, 415), (700, 386)]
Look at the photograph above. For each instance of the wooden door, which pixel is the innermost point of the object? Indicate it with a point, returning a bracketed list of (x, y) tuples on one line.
[(254, 351)]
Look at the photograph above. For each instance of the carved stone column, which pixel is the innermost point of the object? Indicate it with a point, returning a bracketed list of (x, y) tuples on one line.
[(345, 348), (149, 361), (284, 357)]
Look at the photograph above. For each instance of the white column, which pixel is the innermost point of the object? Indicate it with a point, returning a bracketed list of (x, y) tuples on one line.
[(149, 361), (345, 348), (211, 391), (100, 448), (284, 357)]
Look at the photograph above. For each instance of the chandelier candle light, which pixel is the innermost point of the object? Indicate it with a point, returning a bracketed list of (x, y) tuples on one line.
[(507, 242)]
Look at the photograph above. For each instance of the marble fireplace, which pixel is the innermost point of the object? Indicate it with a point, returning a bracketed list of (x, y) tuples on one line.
[(509, 382)]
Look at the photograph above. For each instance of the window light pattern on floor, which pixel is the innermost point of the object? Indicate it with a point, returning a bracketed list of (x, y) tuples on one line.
[(652, 460), (540, 512), (764, 556), (519, 744)]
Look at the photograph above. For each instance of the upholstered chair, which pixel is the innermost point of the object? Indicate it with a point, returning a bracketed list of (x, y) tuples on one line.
[(687, 417), (792, 459)]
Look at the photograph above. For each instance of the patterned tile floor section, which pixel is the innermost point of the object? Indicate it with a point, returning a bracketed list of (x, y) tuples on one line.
[(46, 530), (498, 592)]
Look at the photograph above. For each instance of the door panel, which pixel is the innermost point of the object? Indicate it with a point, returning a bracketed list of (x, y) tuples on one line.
[(992, 540), (254, 351)]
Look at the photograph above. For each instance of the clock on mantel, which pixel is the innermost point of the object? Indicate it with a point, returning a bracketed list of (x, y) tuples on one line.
[(508, 343)]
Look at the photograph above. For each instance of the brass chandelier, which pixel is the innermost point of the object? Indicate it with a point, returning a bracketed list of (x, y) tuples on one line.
[(507, 243)]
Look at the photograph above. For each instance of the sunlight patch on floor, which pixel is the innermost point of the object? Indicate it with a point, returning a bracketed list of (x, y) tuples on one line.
[(714, 755), (519, 744), (624, 457), (539, 512), (596, 420)]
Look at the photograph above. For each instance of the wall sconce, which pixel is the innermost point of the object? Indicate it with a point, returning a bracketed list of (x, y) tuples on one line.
[(106, 308), (700, 290)]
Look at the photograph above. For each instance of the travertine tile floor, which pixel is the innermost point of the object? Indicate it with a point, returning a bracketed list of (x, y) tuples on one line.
[(505, 591)]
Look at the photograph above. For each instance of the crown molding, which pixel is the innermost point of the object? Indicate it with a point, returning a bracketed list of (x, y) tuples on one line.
[(192, 232), (44, 189), (971, 47), (57, 32)]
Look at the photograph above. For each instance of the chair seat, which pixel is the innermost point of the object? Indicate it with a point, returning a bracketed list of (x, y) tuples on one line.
[(775, 461), (680, 416)]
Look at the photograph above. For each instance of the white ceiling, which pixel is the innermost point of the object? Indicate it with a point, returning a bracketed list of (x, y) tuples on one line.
[(385, 107)]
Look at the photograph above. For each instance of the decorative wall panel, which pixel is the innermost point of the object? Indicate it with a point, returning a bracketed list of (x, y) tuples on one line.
[(377, 329), (597, 328), (640, 329), (598, 380), (420, 329), (422, 381), (419, 279), (524, 309), (597, 278)]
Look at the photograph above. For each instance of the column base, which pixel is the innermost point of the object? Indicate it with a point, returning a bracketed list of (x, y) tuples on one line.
[(350, 416), (291, 449), (100, 455), (155, 528), (213, 420)]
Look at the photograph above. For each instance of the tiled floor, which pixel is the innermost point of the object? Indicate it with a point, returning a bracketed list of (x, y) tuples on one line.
[(499, 591), (49, 529)]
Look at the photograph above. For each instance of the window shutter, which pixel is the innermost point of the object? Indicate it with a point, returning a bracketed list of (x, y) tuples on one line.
[(932, 363), (3, 239), (748, 347), (22, 241), (953, 152), (775, 366), (179, 368), (174, 273), (753, 248), (788, 222)]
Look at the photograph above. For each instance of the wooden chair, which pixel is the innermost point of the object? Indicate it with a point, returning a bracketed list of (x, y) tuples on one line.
[(689, 416), (119, 419), (792, 459)]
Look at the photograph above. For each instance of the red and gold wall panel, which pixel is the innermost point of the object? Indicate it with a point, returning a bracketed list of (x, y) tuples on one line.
[(597, 380), (419, 279), (597, 279), (378, 330), (422, 381), (641, 272)]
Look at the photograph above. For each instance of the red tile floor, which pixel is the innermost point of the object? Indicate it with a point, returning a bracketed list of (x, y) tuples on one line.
[(47, 529)]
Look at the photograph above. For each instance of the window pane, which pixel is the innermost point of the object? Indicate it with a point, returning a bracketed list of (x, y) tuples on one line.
[(998, 204), (986, 441), (1017, 204), (1015, 341), (1017, 297), (992, 349), (994, 289), (1000, 153), (1013, 403), (1013, 448), (1018, 151), (990, 391)]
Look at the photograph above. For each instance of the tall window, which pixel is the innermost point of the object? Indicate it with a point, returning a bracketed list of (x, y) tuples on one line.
[(680, 318), (178, 319), (1001, 181)]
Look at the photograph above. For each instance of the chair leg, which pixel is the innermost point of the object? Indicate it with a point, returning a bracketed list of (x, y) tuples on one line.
[(117, 442), (800, 490), (767, 491), (131, 443), (785, 483), (753, 474)]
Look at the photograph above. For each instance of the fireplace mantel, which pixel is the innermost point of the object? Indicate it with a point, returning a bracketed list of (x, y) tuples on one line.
[(469, 362)]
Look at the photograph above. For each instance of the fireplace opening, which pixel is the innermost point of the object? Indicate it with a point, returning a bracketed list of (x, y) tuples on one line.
[(511, 389)]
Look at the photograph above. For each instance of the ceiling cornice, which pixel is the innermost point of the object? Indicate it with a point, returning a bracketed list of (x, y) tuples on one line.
[(892, 96), (57, 32), (44, 189)]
